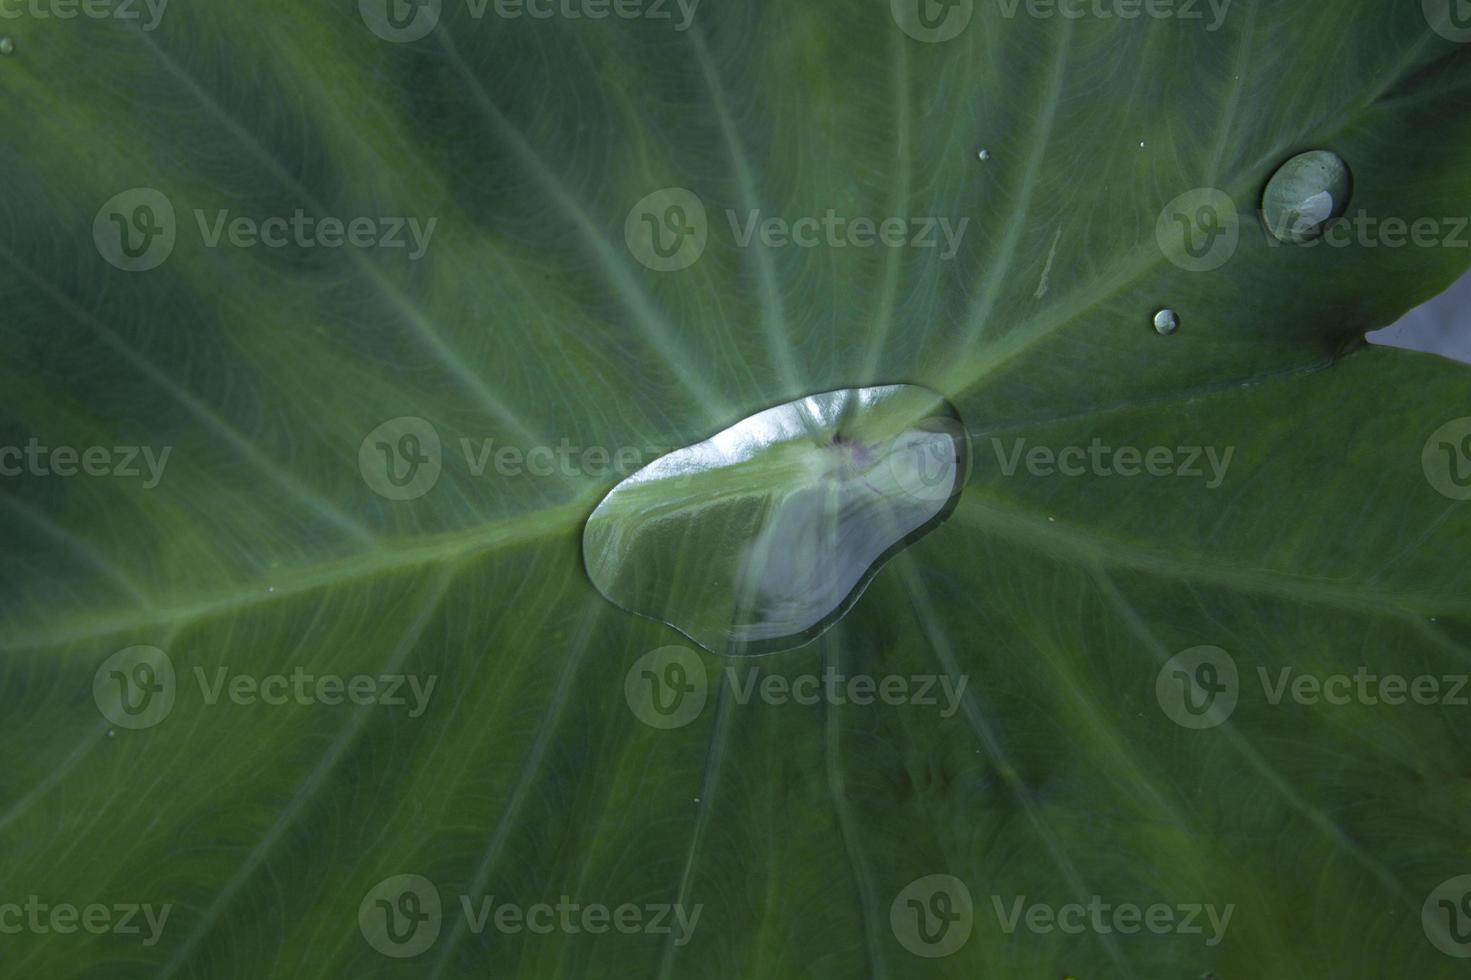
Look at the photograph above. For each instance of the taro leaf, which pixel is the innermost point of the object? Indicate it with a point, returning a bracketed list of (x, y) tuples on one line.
[(336, 501)]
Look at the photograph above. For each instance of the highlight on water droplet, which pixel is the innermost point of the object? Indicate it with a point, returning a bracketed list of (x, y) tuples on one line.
[(1305, 194), (1166, 322), (762, 536)]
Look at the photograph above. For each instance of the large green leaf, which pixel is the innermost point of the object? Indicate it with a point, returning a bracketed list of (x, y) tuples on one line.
[(540, 313)]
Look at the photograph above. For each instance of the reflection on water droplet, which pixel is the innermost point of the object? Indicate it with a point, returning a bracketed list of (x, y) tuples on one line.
[(983, 155), (1305, 194), (763, 535), (1166, 322), (7, 45)]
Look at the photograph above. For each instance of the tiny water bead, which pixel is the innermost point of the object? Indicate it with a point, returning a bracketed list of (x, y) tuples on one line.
[(1305, 194), (1166, 322), (7, 45), (762, 536), (983, 155)]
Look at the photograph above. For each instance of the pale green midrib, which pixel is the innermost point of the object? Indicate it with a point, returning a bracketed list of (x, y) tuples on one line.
[(1091, 548), (389, 559), (1033, 331)]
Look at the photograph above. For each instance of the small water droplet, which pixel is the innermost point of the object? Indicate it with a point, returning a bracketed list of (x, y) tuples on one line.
[(983, 155), (1166, 322), (1305, 194), (111, 733), (270, 588), (1141, 144), (7, 45)]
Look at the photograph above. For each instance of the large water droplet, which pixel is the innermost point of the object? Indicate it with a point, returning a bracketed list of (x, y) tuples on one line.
[(1305, 194), (1166, 322), (763, 535)]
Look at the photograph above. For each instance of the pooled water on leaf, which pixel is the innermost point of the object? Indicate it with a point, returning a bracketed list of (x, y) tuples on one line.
[(760, 537), (1305, 194)]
